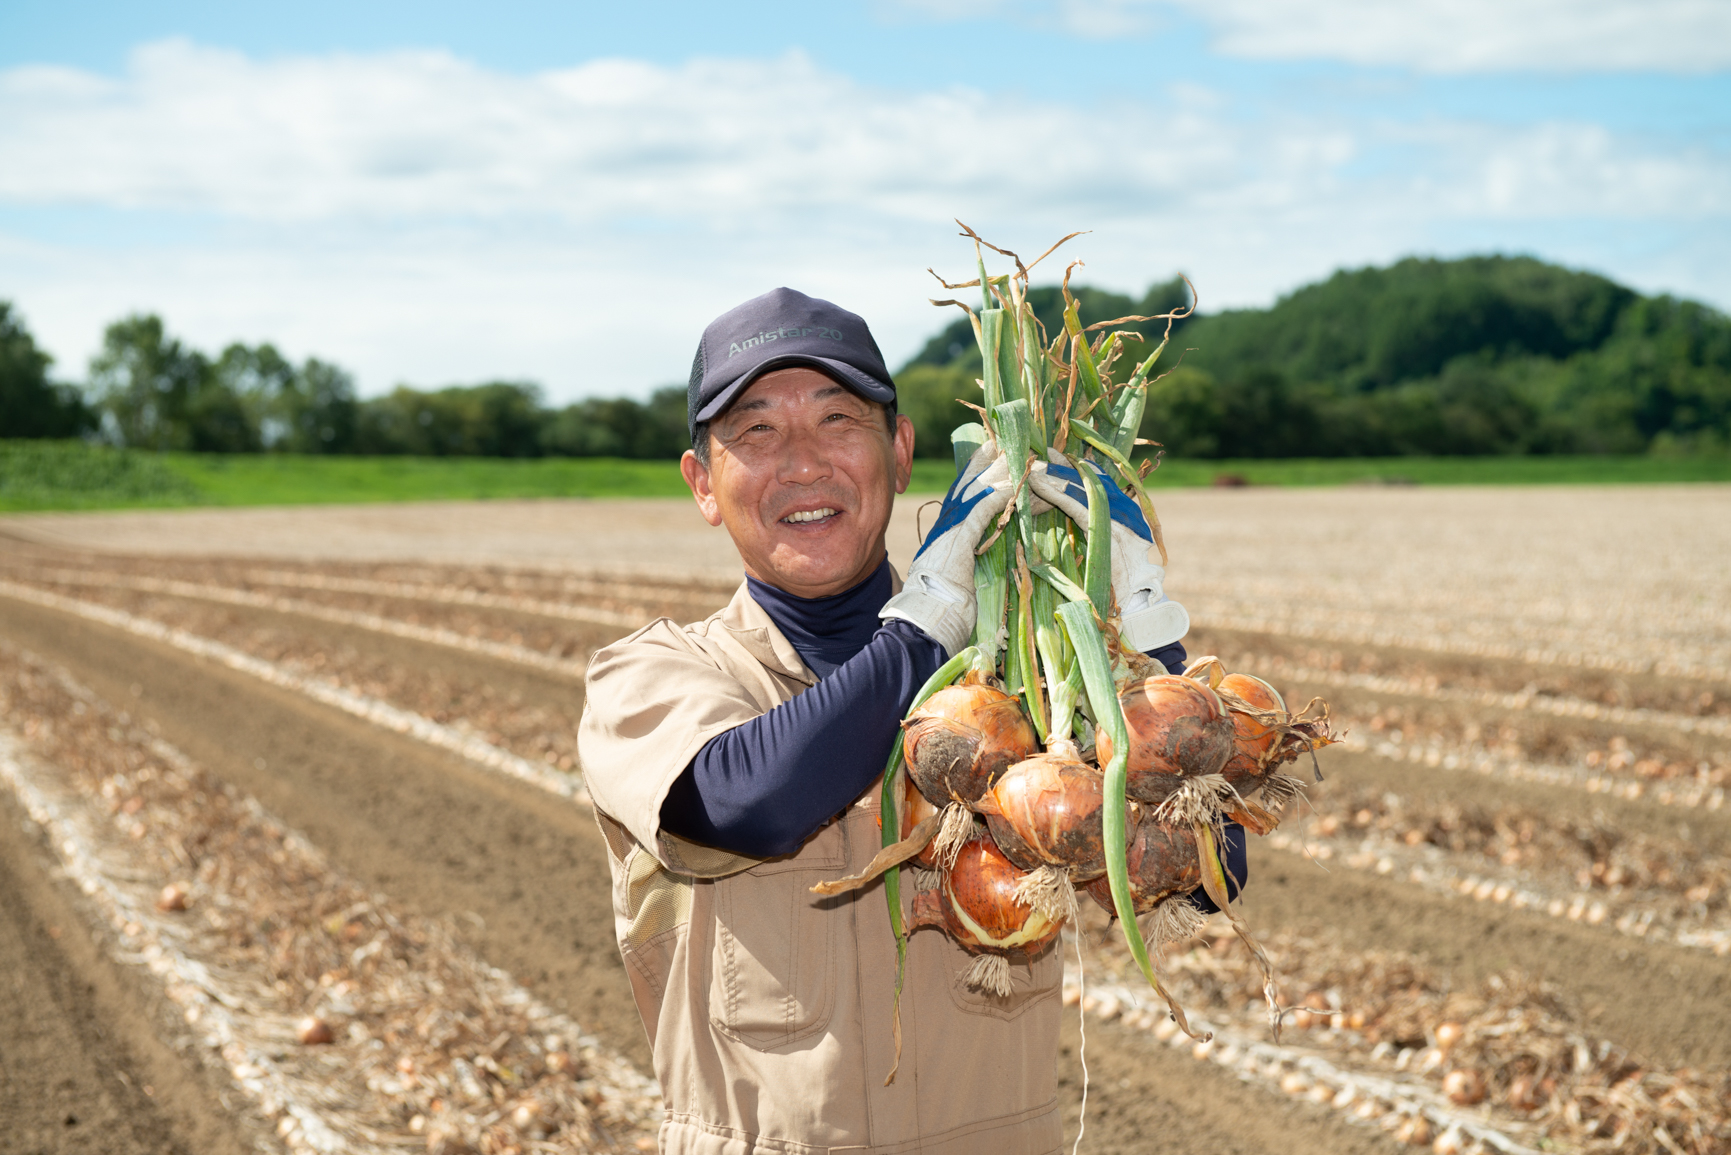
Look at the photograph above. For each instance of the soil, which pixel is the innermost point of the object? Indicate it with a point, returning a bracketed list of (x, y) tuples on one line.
[(441, 839), (523, 878), (445, 840), (1144, 1096), (1613, 984), (88, 1061), (1666, 1003)]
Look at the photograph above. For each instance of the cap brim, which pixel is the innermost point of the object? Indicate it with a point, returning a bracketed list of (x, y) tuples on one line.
[(854, 378)]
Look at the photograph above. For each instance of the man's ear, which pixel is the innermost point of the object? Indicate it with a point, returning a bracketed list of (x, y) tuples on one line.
[(904, 447), (696, 476)]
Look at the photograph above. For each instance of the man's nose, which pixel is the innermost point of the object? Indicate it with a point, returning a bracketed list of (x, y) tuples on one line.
[(803, 460)]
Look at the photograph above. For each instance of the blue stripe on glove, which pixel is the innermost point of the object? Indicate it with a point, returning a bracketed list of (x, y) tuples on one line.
[(956, 508), (1124, 509)]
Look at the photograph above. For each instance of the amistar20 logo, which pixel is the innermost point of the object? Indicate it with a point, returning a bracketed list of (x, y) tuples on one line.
[(782, 334)]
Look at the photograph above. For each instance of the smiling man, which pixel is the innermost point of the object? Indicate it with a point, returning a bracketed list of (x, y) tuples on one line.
[(732, 764)]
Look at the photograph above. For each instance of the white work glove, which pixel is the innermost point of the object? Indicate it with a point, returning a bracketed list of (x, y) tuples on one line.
[(1148, 619), (938, 593)]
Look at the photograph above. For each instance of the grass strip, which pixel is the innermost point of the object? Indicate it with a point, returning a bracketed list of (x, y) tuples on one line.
[(62, 475)]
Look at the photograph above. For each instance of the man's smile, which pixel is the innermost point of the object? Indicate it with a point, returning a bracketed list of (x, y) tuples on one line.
[(802, 516)]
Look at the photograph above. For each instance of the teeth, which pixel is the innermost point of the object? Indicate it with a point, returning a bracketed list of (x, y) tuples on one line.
[(811, 515)]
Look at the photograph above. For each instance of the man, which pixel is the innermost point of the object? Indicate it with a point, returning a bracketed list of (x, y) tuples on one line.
[(732, 764)]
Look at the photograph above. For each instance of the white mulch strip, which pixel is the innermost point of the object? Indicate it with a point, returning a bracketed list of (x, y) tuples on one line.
[(646, 590), (1430, 869), (1390, 1099), (522, 655)]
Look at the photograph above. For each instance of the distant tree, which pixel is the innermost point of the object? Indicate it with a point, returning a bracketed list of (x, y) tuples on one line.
[(620, 427), (30, 404), (1478, 355), (498, 419), (258, 376), (1183, 414), (504, 419), (667, 414), (319, 410), (157, 394), (931, 397)]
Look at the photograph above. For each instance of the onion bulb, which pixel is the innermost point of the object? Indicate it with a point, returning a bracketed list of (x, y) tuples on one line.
[(1178, 729), (975, 903), (1162, 861), (962, 738), (1048, 810), (313, 1031), (1253, 740)]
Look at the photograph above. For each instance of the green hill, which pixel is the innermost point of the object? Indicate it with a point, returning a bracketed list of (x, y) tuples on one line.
[(1482, 355)]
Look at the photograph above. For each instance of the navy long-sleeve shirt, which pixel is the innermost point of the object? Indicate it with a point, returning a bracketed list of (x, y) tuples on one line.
[(765, 786)]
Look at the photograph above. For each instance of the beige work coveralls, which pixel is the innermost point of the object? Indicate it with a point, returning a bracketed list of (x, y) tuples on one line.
[(769, 1009)]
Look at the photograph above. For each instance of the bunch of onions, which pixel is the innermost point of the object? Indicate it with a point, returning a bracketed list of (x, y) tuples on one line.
[(1043, 757)]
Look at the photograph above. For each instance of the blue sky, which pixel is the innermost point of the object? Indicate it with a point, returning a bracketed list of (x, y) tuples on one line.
[(435, 193)]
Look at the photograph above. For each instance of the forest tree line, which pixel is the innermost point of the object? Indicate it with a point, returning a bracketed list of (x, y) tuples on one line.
[(1482, 355)]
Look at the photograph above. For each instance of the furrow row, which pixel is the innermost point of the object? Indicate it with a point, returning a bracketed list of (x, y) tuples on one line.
[(379, 713), (1407, 1106), (1390, 857), (1559, 706), (522, 655), (492, 757), (1708, 665), (1686, 795), (351, 1029)]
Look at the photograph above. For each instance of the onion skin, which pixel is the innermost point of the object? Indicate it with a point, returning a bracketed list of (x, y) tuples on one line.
[(1253, 817), (1178, 728), (1049, 810), (963, 737), (975, 903), (1162, 861), (1253, 741), (916, 809)]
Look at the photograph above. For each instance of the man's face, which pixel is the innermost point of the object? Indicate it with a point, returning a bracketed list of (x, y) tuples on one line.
[(803, 472)]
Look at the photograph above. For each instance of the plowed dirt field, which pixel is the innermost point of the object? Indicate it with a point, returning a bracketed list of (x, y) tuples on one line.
[(267, 774)]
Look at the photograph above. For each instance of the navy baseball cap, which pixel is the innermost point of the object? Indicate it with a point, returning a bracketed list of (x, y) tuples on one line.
[(780, 329)]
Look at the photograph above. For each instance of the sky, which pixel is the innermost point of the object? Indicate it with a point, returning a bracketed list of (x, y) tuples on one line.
[(439, 193)]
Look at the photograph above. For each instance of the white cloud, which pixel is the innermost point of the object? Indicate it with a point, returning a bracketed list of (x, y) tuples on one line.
[(1447, 36), (724, 144), (1480, 35), (417, 217)]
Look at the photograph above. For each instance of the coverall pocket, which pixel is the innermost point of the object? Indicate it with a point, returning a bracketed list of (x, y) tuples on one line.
[(1032, 981), (772, 972)]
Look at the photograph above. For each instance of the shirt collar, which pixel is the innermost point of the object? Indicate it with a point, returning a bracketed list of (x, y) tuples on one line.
[(756, 632)]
